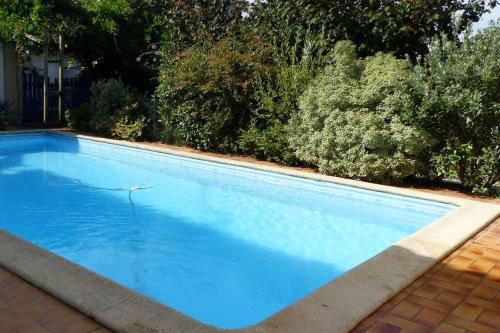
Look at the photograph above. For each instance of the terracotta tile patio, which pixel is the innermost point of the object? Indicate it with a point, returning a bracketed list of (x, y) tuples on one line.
[(461, 294), (26, 309)]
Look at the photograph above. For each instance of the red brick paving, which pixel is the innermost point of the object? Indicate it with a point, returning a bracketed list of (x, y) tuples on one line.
[(460, 294), (27, 309)]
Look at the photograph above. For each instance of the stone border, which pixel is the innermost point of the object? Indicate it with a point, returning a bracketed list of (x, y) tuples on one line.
[(336, 307)]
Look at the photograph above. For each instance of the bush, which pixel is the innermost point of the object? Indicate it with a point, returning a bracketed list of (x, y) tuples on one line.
[(79, 118), (113, 111), (114, 106), (206, 93), (126, 129), (269, 143), (458, 97), (277, 99), (4, 114), (478, 172), (349, 123)]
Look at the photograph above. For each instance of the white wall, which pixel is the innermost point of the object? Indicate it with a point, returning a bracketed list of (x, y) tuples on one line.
[(11, 82)]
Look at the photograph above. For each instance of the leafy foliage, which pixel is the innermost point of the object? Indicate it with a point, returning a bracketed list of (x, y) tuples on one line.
[(4, 114), (277, 97), (478, 170), (349, 123), (113, 111), (401, 27), (190, 22), (34, 16), (206, 93), (79, 118), (104, 36), (458, 98), (116, 111), (261, 79), (269, 143)]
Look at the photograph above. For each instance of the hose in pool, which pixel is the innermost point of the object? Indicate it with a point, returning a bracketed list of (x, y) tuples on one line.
[(121, 189)]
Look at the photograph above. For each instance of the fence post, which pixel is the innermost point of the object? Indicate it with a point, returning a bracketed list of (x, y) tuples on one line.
[(46, 77), (61, 77)]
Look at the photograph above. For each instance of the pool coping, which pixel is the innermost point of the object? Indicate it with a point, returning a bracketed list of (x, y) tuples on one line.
[(336, 307)]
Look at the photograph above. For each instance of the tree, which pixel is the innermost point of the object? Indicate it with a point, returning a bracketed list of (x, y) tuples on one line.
[(18, 17), (104, 36), (457, 94), (186, 23), (171, 27), (401, 27)]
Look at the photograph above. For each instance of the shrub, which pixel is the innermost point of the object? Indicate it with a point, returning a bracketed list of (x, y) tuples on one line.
[(458, 97), (113, 110), (79, 118), (349, 123), (206, 93), (269, 143), (125, 129), (4, 114), (113, 103), (277, 98), (478, 172)]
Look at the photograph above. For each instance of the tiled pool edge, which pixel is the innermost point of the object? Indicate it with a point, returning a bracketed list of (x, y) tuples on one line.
[(337, 307)]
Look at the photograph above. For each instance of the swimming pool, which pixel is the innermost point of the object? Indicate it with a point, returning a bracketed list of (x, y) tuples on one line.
[(225, 245)]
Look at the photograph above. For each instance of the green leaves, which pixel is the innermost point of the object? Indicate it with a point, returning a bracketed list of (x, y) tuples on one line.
[(104, 13), (400, 27), (35, 16), (349, 124), (478, 170), (113, 111), (457, 91), (190, 22), (206, 93)]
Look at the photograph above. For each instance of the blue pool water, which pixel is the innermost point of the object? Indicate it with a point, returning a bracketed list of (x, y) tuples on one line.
[(228, 246)]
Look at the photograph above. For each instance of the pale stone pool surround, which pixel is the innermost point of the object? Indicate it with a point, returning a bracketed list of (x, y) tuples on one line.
[(336, 307)]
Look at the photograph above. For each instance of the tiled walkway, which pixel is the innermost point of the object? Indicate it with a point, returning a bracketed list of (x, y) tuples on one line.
[(461, 294), (27, 309)]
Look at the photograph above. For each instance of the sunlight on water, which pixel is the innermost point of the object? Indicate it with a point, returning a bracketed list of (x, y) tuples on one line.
[(197, 236)]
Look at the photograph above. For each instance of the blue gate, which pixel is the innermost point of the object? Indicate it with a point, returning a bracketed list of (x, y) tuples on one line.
[(33, 99), (75, 93)]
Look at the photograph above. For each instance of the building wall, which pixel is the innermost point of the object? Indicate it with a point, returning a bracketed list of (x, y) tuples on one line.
[(12, 88)]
